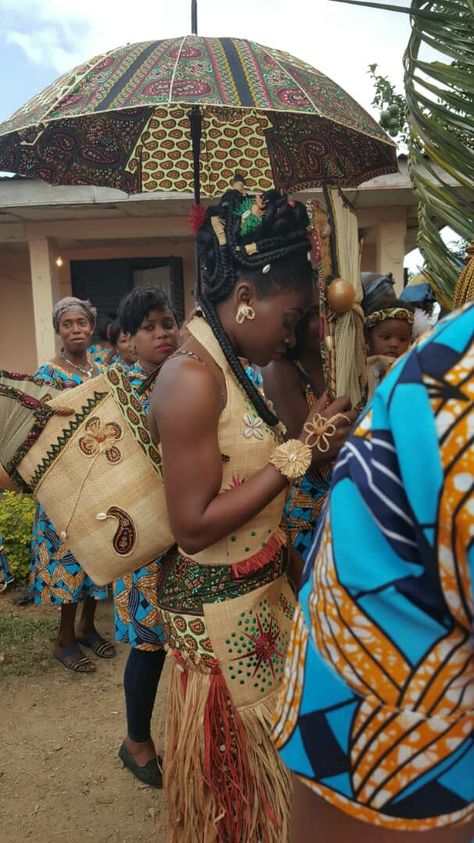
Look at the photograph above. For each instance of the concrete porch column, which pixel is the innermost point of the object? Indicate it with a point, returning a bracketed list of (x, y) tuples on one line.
[(390, 249), (45, 289)]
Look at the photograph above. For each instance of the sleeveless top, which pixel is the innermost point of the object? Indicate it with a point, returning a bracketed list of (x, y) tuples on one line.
[(228, 608), (246, 443)]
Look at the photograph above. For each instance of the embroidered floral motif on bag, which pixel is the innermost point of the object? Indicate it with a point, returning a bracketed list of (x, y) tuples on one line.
[(100, 438)]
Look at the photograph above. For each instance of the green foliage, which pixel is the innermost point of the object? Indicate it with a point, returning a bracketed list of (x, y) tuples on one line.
[(392, 106), (16, 522), (440, 103), (439, 94), (25, 642)]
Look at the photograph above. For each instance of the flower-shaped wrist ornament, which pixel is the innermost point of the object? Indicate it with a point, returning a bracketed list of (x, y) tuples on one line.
[(292, 458), (320, 430)]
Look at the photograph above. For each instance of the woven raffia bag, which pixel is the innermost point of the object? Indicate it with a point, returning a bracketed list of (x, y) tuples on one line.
[(98, 475)]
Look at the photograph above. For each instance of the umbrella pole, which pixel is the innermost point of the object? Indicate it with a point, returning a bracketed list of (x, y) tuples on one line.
[(195, 118), (332, 236)]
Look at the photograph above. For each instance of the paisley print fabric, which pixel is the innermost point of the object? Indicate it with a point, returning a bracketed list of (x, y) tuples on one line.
[(122, 120)]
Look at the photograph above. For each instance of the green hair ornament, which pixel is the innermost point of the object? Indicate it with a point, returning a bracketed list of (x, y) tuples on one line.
[(250, 211)]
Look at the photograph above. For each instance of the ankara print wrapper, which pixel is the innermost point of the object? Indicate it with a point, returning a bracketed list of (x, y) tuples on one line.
[(376, 708)]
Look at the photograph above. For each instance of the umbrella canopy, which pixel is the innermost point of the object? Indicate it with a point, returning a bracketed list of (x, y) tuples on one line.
[(123, 120)]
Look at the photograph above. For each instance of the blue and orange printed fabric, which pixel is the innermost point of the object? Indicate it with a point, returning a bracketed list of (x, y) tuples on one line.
[(137, 617), (376, 709)]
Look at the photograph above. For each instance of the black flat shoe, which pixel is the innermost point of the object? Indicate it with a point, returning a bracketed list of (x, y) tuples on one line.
[(150, 774)]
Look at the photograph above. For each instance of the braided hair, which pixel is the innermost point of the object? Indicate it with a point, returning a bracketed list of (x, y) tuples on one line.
[(277, 243)]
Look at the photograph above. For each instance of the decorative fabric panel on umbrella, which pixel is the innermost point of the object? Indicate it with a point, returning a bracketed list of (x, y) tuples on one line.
[(122, 120)]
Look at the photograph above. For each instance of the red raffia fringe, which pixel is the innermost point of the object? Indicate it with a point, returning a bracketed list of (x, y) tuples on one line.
[(224, 779), (225, 761), (259, 559)]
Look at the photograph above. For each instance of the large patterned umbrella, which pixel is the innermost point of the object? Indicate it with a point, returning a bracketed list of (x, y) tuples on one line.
[(124, 120)]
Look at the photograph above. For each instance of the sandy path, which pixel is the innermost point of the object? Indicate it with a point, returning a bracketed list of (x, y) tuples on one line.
[(60, 777)]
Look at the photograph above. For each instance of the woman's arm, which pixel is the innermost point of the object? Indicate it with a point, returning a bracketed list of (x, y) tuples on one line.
[(311, 812), (282, 385)]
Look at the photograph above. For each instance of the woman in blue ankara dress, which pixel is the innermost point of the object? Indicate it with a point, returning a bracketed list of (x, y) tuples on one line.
[(56, 577), (146, 316)]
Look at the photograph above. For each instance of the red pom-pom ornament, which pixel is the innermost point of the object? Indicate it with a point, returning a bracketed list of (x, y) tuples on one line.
[(197, 218)]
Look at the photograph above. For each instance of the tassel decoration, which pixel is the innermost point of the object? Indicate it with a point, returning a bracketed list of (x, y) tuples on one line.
[(197, 218)]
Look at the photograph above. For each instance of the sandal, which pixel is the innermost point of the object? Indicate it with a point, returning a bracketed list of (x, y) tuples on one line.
[(150, 774), (99, 646), (81, 665)]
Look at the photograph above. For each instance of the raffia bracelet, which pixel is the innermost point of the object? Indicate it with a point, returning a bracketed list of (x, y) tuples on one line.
[(320, 430), (292, 458)]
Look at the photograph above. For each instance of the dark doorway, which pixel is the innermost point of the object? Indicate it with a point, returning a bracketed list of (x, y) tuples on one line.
[(105, 282)]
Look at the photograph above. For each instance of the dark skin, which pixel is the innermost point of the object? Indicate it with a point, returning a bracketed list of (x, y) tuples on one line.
[(156, 338), (123, 347), (314, 819), (284, 387), (390, 338), (282, 381), (75, 331), (185, 409)]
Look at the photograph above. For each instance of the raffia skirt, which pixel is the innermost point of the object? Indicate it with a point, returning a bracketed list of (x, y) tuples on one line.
[(225, 781)]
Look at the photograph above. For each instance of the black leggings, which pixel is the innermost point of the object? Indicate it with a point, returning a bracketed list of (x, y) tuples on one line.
[(140, 682)]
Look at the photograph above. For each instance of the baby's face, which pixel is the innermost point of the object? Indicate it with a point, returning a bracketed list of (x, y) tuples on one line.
[(390, 338)]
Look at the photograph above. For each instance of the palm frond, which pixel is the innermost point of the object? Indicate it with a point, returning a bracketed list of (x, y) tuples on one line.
[(440, 113)]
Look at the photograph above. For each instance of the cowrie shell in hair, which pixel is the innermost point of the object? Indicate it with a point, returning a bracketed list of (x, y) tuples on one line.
[(266, 269), (309, 257)]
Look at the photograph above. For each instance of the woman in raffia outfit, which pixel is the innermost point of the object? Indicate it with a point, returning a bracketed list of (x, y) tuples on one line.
[(225, 599)]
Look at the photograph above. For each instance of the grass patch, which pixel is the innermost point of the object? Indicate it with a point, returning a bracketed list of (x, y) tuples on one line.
[(25, 643)]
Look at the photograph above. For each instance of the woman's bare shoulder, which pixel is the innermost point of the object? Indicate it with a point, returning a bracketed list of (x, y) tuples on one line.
[(186, 384), (280, 372)]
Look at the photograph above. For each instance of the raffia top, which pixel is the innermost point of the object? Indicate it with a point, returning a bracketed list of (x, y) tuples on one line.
[(246, 443)]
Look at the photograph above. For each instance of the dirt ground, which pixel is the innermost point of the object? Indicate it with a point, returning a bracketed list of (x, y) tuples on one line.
[(60, 777)]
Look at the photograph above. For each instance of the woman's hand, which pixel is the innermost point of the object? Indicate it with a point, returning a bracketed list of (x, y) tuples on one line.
[(327, 427)]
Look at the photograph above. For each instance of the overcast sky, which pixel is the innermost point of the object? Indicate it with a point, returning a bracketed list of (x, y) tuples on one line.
[(39, 39)]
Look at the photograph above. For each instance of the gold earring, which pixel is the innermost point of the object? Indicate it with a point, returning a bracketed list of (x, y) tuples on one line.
[(244, 311)]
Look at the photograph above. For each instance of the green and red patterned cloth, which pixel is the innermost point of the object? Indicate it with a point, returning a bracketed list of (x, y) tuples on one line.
[(121, 120)]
